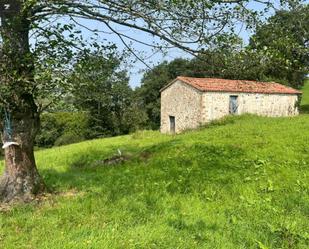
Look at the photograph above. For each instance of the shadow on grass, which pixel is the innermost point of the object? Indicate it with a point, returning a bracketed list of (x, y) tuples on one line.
[(169, 167), (304, 109)]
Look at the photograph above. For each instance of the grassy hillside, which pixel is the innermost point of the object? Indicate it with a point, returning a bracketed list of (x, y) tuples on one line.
[(240, 183)]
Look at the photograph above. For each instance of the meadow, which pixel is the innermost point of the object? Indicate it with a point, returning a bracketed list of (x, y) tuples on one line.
[(241, 182)]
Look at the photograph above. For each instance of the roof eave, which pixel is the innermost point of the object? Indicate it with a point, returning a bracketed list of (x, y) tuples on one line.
[(225, 91), (168, 85), (179, 78)]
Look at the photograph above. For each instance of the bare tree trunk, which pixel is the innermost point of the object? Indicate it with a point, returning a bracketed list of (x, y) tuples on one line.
[(21, 179)]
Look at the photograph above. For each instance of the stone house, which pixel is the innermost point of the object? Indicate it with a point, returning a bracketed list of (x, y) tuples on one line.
[(187, 103)]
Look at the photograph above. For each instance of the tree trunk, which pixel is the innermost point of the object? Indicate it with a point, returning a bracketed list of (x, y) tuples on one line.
[(21, 180)]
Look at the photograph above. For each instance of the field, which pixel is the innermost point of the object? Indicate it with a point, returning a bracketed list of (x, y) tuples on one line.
[(242, 182)]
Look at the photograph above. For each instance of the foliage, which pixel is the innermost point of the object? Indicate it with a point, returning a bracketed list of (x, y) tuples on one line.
[(40, 68), (284, 41), (49, 131), (135, 117), (240, 184), (229, 64), (101, 88), (53, 51), (62, 128), (68, 138)]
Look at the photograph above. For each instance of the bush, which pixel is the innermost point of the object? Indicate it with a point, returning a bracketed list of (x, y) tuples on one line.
[(62, 128), (49, 132), (68, 138)]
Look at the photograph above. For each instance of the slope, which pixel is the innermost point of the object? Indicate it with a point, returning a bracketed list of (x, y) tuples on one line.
[(240, 183)]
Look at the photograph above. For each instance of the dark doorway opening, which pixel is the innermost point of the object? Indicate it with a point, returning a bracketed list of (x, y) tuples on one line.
[(172, 124), (233, 104)]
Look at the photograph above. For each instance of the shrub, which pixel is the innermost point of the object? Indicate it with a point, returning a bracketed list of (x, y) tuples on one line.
[(49, 132), (68, 138), (62, 128)]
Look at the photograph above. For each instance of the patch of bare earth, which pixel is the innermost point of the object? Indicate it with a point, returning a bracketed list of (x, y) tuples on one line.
[(117, 160)]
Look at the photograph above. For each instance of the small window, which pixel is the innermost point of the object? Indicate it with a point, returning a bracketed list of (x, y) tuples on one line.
[(233, 104), (172, 124)]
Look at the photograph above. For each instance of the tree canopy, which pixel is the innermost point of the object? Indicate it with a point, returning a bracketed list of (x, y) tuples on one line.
[(284, 40), (101, 88)]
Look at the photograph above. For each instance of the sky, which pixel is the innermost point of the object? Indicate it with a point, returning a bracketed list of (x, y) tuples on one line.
[(136, 68)]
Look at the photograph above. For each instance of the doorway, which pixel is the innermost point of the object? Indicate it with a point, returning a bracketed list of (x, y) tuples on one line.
[(172, 124), (233, 105)]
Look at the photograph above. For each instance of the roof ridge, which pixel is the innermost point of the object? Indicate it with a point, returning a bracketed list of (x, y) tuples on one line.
[(214, 78), (230, 85)]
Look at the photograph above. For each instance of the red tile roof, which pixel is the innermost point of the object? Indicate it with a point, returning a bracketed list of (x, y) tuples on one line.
[(247, 86)]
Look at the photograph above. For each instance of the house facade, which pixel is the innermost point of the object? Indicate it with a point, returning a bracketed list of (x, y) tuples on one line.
[(187, 103)]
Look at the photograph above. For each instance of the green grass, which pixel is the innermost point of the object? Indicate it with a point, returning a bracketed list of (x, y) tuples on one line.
[(240, 183)]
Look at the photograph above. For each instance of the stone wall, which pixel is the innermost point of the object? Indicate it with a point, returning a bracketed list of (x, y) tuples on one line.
[(184, 103), (216, 104)]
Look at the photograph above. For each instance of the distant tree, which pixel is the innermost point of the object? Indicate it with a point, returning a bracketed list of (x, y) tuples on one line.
[(230, 64), (226, 59), (284, 42), (135, 118), (59, 128), (101, 88)]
